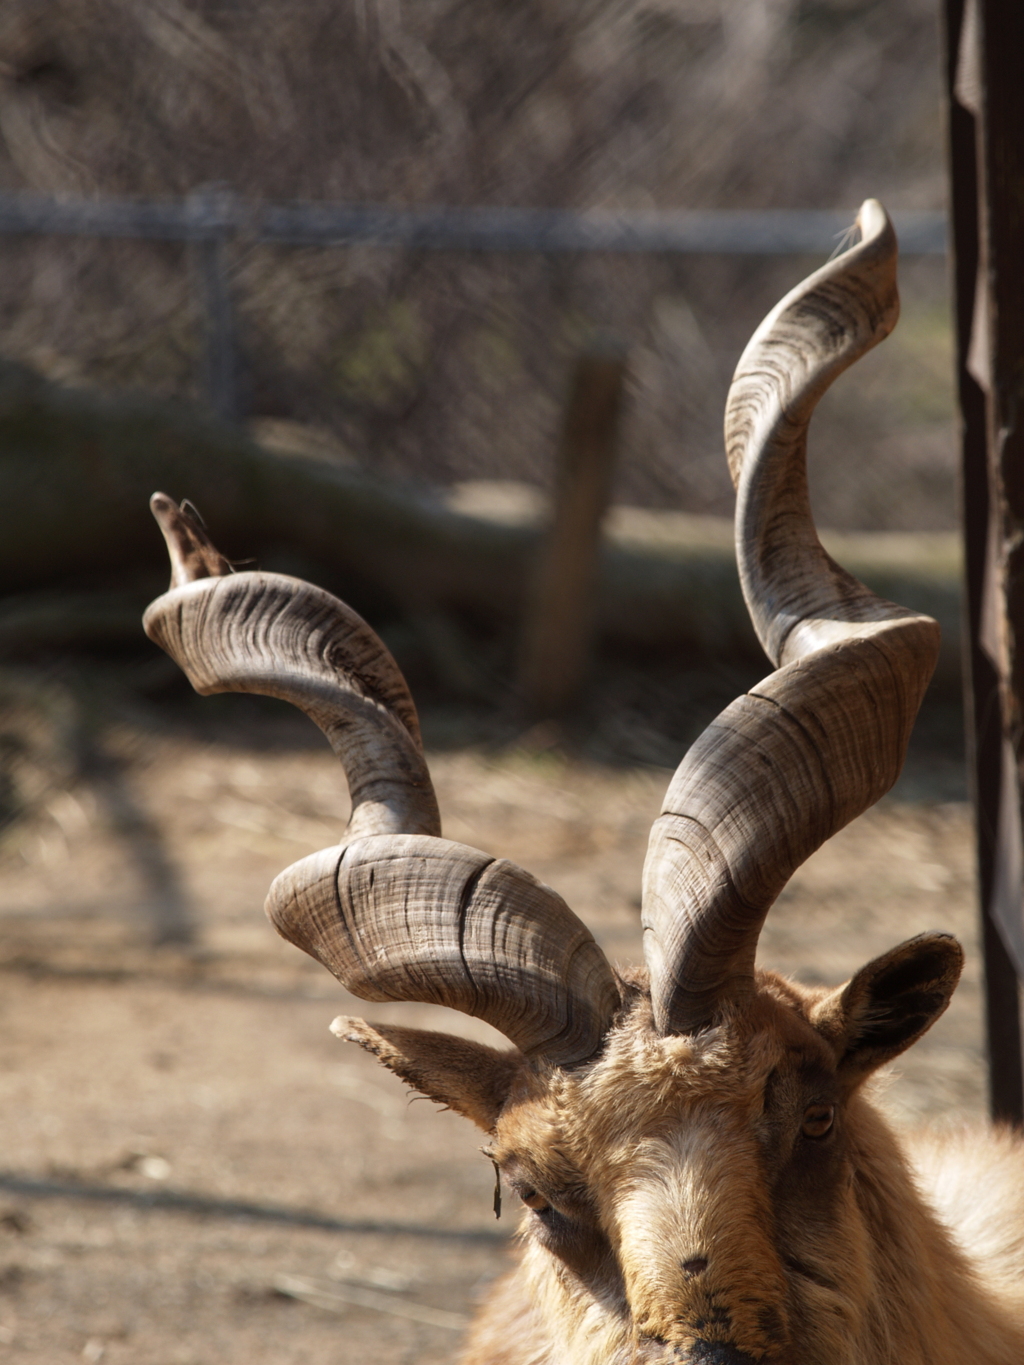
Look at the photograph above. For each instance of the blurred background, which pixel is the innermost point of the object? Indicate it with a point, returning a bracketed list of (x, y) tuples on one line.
[(191, 1170), (411, 363)]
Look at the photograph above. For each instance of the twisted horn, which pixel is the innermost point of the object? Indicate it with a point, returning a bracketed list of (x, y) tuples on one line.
[(395, 912), (279, 637), (824, 736), (408, 918)]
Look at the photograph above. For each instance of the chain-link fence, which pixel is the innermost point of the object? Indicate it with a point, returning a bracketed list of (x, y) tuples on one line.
[(447, 366)]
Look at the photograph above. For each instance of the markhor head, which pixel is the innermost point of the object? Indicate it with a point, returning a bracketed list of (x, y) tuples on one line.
[(702, 1178)]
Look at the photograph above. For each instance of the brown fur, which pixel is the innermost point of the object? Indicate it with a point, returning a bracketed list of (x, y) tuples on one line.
[(690, 1216)]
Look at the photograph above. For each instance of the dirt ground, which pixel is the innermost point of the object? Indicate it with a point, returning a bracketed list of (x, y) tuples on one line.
[(194, 1172)]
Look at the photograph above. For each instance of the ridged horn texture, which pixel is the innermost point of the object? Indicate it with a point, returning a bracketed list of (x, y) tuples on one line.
[(822, 738), (395, 912), (409, 918), (280, 637)]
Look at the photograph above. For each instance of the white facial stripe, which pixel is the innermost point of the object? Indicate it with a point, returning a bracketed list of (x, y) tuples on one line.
[(695, 1196)]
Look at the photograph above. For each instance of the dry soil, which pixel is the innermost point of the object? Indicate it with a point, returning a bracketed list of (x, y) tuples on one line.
[(194, 1172)]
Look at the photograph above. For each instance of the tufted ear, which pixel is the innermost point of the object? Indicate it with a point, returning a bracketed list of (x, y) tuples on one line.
[(890, 1003), (471, 1078)]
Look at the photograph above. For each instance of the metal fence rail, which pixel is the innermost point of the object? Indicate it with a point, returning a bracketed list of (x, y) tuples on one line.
[(212, 217)]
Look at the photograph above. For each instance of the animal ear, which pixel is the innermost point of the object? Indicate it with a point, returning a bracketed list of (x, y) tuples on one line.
[(471, 1078), (890, 1003)]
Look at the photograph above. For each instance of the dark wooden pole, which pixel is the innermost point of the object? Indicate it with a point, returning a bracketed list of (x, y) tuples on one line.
[(559, 623), (985, 52)]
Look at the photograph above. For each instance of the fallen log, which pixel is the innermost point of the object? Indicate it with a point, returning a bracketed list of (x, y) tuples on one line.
[(77, 468)]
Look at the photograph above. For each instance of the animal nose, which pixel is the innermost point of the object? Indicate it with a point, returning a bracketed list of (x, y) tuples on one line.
[(715, 1353), (659, 1352)]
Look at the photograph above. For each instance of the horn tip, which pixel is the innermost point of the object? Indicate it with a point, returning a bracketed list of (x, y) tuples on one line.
[(193, 554), (872, 217), (877, 232)]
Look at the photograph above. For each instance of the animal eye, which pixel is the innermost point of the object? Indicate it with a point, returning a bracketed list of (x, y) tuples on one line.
[(534, 1201), (818, 1120)]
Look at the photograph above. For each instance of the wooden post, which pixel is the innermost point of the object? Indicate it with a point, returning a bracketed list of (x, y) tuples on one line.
[(984, 48), (220, 375), (559, 621)]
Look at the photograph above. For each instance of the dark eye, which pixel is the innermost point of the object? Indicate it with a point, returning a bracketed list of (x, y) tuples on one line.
[(818, 1120), (534, 1201)]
